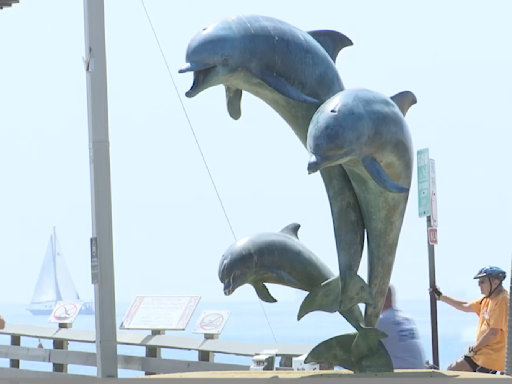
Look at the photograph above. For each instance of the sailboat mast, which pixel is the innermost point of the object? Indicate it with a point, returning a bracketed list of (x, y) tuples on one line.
[(55, 272), (101, 207)]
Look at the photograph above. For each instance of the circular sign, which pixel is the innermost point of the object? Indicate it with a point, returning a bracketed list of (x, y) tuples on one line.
[(211, 321), (65, 311)]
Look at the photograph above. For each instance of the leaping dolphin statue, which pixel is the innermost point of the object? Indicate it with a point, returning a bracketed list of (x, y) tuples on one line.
[(281, 258), (366, 132), (273, 60), (294, 72)]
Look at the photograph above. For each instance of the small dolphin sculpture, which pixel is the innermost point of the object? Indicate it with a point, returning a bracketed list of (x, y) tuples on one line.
[(281, 258), (366, 133)]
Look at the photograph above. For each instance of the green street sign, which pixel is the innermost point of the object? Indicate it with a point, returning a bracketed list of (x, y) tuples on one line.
[(423, 183)]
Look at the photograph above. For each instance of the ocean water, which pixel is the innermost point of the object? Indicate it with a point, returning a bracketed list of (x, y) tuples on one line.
[(248, 323)]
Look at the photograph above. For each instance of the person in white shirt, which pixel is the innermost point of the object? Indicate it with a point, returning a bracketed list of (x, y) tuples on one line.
[(403, 342)]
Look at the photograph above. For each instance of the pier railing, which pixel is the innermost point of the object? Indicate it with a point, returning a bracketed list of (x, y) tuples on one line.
[(152, 363)]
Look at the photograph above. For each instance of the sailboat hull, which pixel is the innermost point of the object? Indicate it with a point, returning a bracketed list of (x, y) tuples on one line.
[(46, 309)]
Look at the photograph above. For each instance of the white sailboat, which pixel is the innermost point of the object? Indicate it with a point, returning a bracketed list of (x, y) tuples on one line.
[(55, 283)]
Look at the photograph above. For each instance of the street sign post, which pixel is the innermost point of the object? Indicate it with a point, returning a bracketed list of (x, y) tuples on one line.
[(427, 207)]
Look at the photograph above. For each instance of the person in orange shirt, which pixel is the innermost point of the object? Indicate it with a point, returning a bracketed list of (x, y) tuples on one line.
[(487, 355)]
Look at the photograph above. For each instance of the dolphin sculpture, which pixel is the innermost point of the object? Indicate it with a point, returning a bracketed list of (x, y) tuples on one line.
[(366, 133), (269, 58), (281, 258), (294, 72)]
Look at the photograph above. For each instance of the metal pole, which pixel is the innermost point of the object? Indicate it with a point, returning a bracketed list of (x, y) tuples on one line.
[(433, 301), (508, 359), (102, 248)]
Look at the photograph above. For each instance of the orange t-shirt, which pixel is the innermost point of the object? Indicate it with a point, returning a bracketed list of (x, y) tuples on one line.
[(492, 313)]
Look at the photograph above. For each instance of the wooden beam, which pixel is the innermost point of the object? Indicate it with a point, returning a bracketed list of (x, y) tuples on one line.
[(162, 341), (137, 363)]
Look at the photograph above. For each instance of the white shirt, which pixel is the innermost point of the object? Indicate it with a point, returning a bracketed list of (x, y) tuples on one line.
[(403, 342)]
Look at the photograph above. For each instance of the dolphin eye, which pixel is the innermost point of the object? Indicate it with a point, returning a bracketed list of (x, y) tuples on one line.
[(224, 61)]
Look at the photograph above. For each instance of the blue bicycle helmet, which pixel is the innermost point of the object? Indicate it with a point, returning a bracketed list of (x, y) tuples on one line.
[(491, 272)]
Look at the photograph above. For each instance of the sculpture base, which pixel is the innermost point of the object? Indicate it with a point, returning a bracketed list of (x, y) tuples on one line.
[(401, 373)]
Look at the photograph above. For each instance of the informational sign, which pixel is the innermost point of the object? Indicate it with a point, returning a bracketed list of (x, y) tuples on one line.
[(424, 198), (432, 236), (94, 260), (433, 194), (160, 312), (65, 312), (212, 322)]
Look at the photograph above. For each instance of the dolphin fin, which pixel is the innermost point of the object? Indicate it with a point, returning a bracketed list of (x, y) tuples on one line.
[(404, 100), (366, 342), (332, 41), (233, 100), (328, 296), (263, 293), (338, 352), (325, 298), (291, 230), (281, 86), (378, 174)]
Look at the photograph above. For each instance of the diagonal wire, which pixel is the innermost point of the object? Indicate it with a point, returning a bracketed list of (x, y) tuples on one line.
[(199, 147)]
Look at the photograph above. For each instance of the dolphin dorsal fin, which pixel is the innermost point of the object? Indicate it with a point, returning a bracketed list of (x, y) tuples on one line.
[(404, 100), (332, 41), (291, 230)]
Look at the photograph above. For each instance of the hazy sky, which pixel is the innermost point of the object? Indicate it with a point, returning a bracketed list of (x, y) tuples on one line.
[(168, 226)]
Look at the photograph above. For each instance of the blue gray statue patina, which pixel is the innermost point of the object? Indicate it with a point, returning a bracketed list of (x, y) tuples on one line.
[(294, 72), (366, 132), (281, 258)]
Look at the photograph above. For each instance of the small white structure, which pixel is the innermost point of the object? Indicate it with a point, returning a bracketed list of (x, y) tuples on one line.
[(265, 361), (299, 365)]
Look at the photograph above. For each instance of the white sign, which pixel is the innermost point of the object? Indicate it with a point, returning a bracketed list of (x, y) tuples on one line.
[(65, 313), (160, 312), (212, 322), (433, 194), (423, 171), (299, 365), (432, 236)]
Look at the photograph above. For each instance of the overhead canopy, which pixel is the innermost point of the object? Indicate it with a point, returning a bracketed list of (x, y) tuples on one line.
[(7, 3)]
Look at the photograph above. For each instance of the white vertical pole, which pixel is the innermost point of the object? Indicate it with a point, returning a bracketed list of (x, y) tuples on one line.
[(508, 354), (97, 107)]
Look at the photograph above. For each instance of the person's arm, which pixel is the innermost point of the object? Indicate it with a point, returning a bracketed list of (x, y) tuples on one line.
[(486, 339), (464, 306), (2, 322)]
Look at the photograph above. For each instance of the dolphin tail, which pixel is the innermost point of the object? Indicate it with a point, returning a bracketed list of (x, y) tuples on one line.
[(366, 342), (328, 297), (338, 352)]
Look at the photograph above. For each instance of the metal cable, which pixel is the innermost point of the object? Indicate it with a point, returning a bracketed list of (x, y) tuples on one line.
[(199, 147)]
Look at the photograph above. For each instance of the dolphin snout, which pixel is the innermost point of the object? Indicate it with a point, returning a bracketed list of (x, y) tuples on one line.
[(194, 66), (314, 164)]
